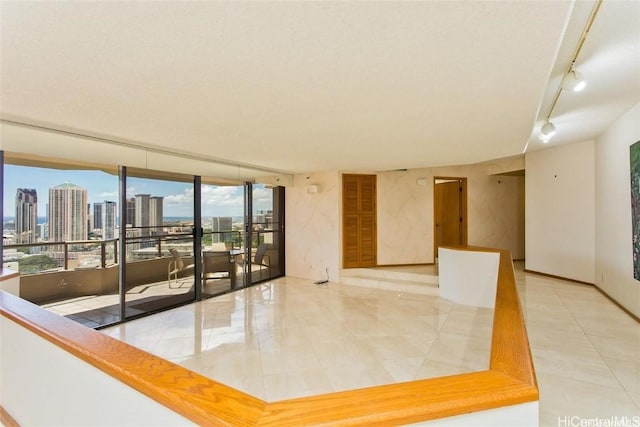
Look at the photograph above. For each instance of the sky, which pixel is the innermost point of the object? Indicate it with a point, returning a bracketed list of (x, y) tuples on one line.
[(101, 186)]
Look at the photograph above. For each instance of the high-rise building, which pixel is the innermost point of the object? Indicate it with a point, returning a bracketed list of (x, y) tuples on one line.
[(142, 213), (155, 214), (89, 218), (108, 219), (218, 226), (97, 215), (67, 213), (131, 213), (26, 215), (43, 231)]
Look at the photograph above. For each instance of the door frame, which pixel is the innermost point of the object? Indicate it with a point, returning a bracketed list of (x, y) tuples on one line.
[(463, 210)]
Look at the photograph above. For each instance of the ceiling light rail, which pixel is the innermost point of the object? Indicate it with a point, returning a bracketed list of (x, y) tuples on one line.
[(572, 79)]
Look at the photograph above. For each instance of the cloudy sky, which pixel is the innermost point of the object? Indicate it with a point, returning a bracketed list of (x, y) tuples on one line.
[(101, 186)]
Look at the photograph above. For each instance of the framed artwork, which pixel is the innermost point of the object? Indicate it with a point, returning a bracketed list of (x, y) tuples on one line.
[(635, 206)]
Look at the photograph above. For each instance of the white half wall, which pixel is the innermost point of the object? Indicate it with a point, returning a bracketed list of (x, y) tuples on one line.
[(522, 415), (613, 232), (560, 217), (41, 384), (469, 277)]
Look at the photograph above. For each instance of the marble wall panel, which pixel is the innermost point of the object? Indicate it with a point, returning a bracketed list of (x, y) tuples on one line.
[(313, 226), (405, 217)]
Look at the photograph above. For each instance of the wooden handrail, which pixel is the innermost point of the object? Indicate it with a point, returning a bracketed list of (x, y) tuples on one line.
[(509, 380), (6, 274)]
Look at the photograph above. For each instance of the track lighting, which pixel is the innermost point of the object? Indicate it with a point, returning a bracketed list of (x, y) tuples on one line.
[(547, 131), (573, 81)]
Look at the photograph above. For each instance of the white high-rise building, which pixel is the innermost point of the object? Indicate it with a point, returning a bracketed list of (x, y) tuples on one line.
[(142, 213), (26, 222), (131, 213), (220, 224), (67, 213), (155, 214)]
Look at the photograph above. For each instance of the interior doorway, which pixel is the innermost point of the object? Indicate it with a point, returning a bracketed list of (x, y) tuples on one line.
[(450, 212)]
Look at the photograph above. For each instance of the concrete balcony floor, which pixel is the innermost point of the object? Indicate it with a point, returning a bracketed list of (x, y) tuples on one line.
[(99, 310)]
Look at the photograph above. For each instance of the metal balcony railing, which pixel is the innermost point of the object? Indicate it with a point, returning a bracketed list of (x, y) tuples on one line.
[(107, 250)]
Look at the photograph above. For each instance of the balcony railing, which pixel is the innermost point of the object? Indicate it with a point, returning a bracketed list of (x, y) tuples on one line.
[(74, 269), (105, 252), (66, 249)]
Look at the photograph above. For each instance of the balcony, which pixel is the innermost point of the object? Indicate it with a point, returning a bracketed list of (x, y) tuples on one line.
[(80, 279)]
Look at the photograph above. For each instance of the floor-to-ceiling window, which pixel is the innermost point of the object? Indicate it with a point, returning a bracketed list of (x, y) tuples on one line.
[(267, 233), (158, 232), (60, 232), (222, 242), (101, 244)]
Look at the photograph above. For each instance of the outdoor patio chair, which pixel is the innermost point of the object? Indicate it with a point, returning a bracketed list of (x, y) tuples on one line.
[(261, 259), (176, 266)]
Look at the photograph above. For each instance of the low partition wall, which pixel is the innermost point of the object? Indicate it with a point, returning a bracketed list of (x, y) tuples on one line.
[(506, 393), (467, 276)]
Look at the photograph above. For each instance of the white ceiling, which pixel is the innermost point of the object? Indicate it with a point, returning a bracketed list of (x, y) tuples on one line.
[(313, 86)]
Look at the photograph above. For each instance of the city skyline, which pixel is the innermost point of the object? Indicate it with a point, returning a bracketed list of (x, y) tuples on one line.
[(101, 187)]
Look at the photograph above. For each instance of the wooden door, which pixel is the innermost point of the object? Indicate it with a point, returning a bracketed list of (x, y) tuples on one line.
[(449, 201), (359, 232)]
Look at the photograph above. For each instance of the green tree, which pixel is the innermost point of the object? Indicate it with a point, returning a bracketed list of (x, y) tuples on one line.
[(36, 263)]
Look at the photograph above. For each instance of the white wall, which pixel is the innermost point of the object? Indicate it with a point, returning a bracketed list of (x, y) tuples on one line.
[(468, 277), (41, 384), (560, 218), (405, 211), (492, 206), (313, 226), (405, 216), (613, 233), (521, 415)]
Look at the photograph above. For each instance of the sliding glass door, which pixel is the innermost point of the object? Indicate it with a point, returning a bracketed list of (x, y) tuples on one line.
[(101, 244), (222, 239), (266, 259), (158, 226)]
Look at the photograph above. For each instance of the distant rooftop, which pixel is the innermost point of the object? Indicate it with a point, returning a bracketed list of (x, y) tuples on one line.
[(68, 184)]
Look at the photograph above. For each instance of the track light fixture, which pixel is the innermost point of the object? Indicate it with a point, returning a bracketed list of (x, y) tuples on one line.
[(547, 131), (573, 81)]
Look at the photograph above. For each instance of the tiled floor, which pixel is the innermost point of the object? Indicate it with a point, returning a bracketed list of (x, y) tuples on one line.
[(291, 338), (586, 351)]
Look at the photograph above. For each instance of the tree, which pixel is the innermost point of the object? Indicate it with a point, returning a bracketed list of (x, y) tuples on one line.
[(36, 263)]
